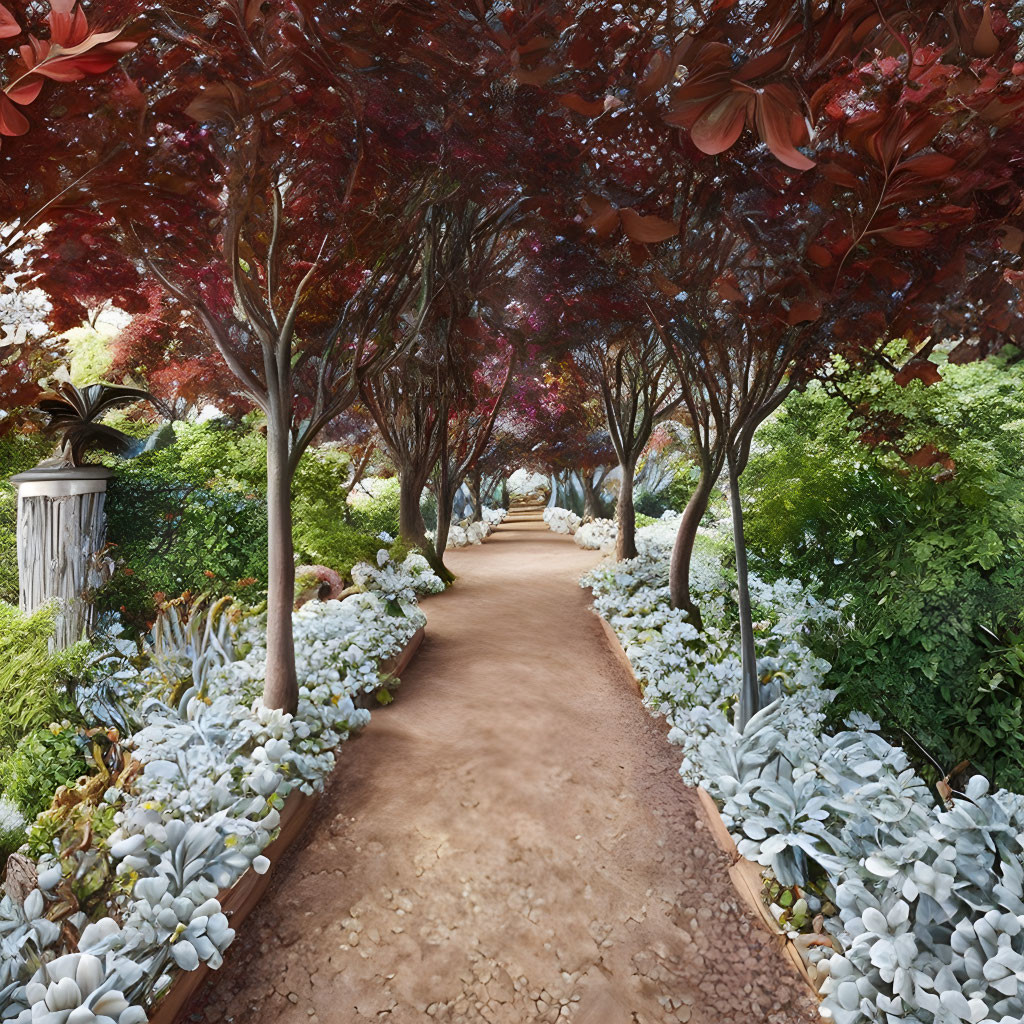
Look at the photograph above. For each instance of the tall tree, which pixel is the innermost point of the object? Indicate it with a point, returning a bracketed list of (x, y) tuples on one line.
[(810, 182), (251, 195)]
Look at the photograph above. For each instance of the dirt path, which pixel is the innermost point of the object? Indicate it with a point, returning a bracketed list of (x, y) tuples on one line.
[(508, 842)]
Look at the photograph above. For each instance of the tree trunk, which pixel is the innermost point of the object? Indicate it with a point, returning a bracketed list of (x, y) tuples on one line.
[(411, 527), (504, 494), (750, 690), (445, 514), (591, 505), (682, 551), (281, 689), (625, 515), (475, 485)]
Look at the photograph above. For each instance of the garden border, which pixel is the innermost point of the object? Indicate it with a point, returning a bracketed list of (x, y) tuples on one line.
[(241, 898), (744, 874)]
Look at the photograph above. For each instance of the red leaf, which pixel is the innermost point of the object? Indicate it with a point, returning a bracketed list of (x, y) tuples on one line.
[(909, 238), (26, 91), (605, 218), (918, 369), (667, 288), (727, 288), (928, 165), (12, 120), (781, 126), (721, 124), (647, 229), (8, 26), (801, 311), (839, 175), (820, 255), (588, 108)]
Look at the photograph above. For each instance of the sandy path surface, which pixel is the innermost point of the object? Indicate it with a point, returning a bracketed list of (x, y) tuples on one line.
[(508, 842)]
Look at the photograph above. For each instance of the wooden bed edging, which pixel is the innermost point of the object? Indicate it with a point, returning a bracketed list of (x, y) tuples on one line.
[(744, 874), (238, 901)]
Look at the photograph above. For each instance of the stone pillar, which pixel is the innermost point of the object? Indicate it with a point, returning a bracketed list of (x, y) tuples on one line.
[(61, 531)]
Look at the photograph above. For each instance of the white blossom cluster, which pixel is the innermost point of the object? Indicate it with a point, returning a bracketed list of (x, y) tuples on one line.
[(216, 771), (493, 516), (597, 535), (930, 900), (398, 582), (463, 535), (561, 520)]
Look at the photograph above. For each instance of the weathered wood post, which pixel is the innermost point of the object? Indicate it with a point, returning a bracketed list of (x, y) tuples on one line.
[(61, 532)]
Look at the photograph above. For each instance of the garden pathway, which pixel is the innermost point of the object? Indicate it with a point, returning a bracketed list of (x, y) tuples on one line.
[(508, 842)]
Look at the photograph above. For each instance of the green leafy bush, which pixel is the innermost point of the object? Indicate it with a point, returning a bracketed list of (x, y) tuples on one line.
[(41, 762), (34, 683), (930, 559), (190, 516), (651, 505), (12, 828)]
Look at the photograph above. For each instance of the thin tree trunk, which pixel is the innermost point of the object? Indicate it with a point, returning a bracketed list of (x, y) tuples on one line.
[(682, 551), (750, 690), (445, 515), (591, 507), (625, 515), (281, 689), (504, 494), (475, 485)]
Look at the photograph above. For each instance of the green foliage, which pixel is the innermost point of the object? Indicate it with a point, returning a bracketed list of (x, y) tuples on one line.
[(930, 560), (650, 505), (41, 762), (34, 683), (190, 516), (330, 531), (678, 492), (12, 828)]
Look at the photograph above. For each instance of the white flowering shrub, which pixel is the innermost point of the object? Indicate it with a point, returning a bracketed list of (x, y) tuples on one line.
[(561, 520), (493, 516), (929, 926), (216, 768), (597, 535), (402, 582)]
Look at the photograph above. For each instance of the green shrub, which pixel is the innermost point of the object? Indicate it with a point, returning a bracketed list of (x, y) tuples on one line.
[(34, 684), (12, 828), (931, 560), (41, 762), (190, 516), (651, 505)]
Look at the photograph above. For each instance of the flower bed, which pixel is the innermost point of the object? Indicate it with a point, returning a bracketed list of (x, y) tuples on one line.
[(907, 909), (195, 809)]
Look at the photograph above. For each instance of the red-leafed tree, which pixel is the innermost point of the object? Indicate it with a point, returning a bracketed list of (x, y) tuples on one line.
[(45, 107), (252, 195), (795, 183)]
